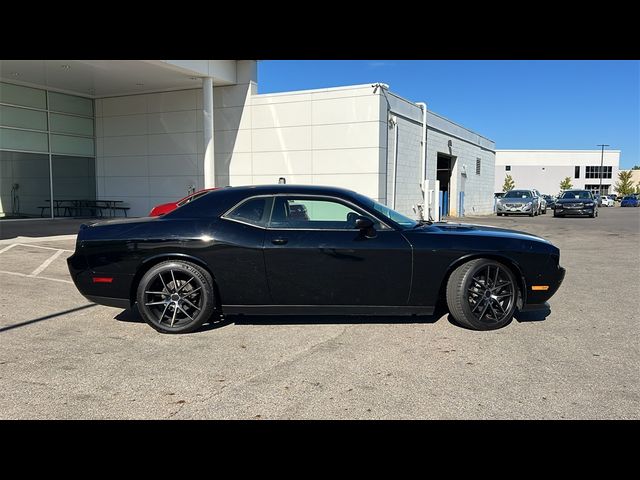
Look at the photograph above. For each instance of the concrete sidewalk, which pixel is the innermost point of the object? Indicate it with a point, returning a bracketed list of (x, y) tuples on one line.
[(36, 228)]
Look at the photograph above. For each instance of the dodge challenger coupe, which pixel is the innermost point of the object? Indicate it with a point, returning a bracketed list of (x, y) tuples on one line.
[(291, 249)]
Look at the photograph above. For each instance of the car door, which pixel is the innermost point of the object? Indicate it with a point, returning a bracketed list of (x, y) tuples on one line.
[(314, 255)]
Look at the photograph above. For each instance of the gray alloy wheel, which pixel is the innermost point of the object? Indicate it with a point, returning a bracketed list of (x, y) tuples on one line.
[(176, 297), (482, 294)]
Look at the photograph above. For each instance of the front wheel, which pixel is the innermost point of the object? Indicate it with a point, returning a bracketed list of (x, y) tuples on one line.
[(176, 297), (482, 294)]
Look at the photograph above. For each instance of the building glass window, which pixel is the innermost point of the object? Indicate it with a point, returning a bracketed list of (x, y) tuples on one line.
[(576, 173), (507, 168), (595, 188), (594, 171), (478, 166), (46, 138)]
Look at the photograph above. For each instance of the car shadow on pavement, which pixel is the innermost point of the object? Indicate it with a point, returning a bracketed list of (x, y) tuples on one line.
[(334, 319), (520, 317), (133, 316)]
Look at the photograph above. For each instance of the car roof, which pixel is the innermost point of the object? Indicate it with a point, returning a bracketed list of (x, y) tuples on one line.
[(291, 188)]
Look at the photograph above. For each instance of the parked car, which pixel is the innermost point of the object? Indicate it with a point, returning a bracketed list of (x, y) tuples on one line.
[(238, 250), (576, 202), (607, 202), (630, 201), (598, 199), (518, 202), (613, 197), (165, 208), (551, 201), (542, 203)]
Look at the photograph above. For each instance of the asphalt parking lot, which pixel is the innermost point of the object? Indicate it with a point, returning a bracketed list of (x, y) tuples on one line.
[(62, 357)]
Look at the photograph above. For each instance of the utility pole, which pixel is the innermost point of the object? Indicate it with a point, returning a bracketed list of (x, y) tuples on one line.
[(601, 163)]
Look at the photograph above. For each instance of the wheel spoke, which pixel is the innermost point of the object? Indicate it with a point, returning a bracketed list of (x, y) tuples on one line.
[(175, 310), (163, 284), (164, 311), (158, 293), (175, 286), (500, 306), (184, 311), (484, 311), (495, 287), (495, 282), (184, 285), (187, 301), (192, 292), (478, 303), (495, 315), (155, 303), (504, 295)]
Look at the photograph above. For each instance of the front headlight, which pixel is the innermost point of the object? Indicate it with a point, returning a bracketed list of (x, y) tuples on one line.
[(529, 204), (589, 204)]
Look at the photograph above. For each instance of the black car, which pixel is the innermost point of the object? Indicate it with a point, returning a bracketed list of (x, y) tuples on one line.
[(287, 249), (576, 202), (551, 202)]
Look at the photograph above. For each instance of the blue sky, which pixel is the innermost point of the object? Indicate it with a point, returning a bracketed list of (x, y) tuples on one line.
[(554, 104)]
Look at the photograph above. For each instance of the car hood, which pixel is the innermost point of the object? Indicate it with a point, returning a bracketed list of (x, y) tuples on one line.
[(516, 200), (481, 230)]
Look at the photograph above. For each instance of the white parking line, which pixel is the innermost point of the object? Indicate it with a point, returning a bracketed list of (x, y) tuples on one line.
[(40, 246), (33, 276), (46, 263), (8, 247)]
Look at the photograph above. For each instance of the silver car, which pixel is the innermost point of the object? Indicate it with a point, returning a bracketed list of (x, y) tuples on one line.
[(518, 202)]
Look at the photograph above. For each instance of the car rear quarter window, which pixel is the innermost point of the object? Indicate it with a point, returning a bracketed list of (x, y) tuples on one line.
[(254, 211)]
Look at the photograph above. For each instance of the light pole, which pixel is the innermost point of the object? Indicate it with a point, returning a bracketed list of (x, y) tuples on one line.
[(601, 163)]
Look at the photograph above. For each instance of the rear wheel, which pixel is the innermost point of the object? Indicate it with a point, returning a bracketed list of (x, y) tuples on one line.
[(176, 297), (482, 294)]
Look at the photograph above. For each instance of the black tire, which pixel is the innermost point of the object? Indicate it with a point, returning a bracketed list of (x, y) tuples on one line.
[(544, 212), (468, 301), (163, 288), (499, 214)]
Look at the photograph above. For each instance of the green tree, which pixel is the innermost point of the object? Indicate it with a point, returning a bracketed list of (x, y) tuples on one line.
[(624, 185), (509, 184), (638, 187), (566, 184), (635, 167)]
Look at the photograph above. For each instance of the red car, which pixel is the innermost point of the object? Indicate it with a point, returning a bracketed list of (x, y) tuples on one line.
[(171, 206)]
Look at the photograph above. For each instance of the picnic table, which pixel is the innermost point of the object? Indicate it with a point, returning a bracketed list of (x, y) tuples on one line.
[(76, 207)]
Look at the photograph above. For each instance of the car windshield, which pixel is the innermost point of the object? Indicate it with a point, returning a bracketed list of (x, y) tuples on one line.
[(583, 195), (629, 198), (392, 214), (518, 194)]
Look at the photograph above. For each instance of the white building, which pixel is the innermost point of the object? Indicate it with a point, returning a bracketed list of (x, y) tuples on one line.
[(545, 169), (149, 132)]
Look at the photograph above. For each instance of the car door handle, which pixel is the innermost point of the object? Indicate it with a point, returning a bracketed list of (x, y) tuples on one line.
[(279, 241)]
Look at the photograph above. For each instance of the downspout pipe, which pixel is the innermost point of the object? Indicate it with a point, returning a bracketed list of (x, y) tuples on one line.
[(423, 161)]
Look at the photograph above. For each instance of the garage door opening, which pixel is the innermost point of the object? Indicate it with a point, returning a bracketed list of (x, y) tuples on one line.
[(443, 174)]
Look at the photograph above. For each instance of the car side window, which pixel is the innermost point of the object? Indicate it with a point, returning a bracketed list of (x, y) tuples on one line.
[(254, 211), (315, 214)]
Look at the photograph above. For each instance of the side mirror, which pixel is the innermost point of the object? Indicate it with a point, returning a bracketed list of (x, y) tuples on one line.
[(365, 225)]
